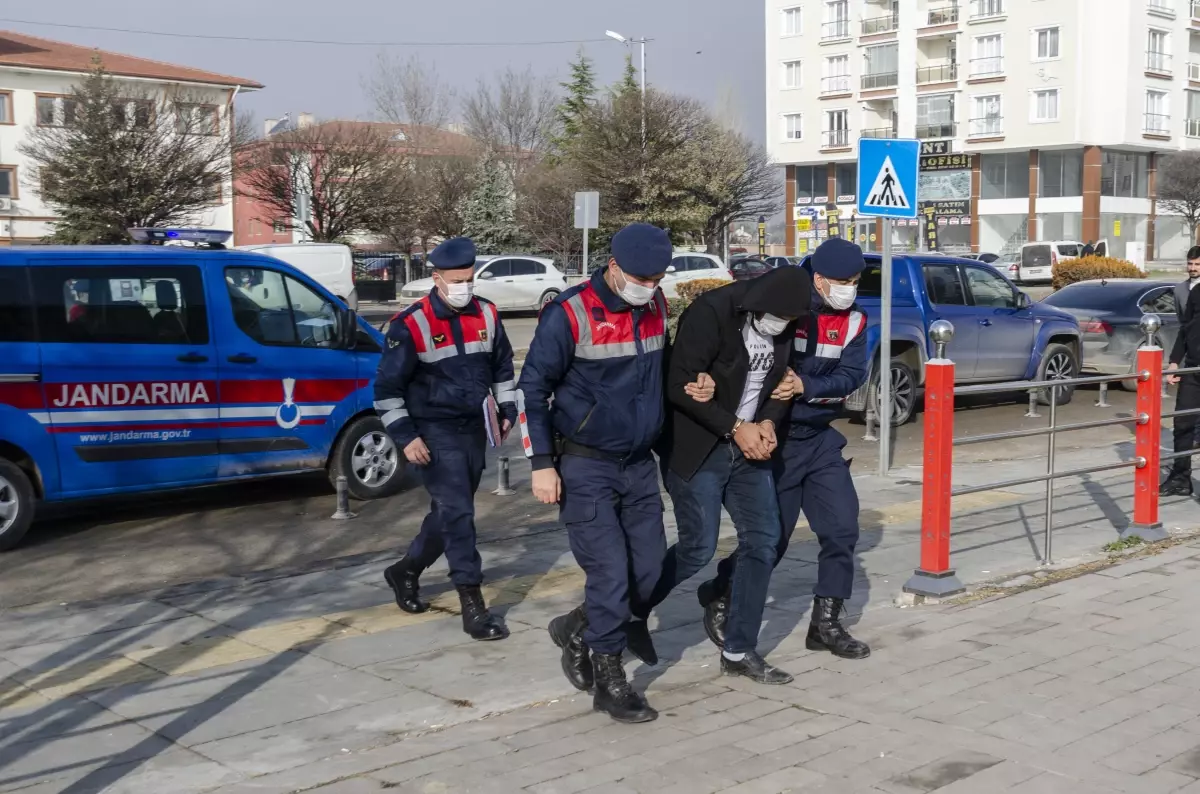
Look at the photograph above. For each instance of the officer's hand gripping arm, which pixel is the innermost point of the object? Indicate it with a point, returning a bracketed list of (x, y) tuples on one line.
[(550, 355), (396, 368), (694, 350), (504, 387)]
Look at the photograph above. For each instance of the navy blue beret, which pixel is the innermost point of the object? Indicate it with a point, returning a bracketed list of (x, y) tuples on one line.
[(838, 259), (454, 254), (642, 250)]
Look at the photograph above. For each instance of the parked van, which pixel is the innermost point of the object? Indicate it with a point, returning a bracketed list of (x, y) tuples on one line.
[(329, 264), (127, 369), (1038, 259)]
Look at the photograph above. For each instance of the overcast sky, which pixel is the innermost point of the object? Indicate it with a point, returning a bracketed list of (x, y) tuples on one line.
[(703, 48)]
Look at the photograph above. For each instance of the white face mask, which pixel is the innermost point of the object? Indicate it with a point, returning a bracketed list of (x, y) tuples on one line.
[(635, 294), (841, 296), (770, 325), (457, 295)]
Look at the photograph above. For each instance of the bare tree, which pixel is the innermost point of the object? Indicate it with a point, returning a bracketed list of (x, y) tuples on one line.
[(336, 177), (1179, 188), (446, 184), (515, 116), (115, 156), (739, 180), (545, 208), (407, 91)]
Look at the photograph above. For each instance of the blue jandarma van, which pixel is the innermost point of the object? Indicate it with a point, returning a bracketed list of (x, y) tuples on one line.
[(150, 367)]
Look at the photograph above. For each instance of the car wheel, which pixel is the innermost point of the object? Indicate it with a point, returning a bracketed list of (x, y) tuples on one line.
[(1132, 385), (904, 393), (1058, 363), (16, 504), (547, 298), (369, 460)]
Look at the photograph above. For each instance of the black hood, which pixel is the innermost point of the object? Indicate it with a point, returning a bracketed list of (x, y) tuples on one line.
[(784, 292)]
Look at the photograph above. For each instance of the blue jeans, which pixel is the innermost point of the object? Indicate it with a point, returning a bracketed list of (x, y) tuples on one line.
[(747, 490)]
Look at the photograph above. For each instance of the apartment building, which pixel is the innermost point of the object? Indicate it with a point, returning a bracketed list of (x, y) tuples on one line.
[(1039, 119)]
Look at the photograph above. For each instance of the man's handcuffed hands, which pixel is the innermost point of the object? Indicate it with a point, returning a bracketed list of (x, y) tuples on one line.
[(756, 440)]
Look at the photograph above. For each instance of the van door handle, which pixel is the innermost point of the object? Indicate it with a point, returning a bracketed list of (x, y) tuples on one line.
[(242, 358), (191, 358)]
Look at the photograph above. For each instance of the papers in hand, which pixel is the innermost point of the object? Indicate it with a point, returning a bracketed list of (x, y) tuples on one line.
[(491, 418)]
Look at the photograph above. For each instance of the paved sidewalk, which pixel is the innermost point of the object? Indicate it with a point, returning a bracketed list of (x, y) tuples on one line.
[(283, 683)]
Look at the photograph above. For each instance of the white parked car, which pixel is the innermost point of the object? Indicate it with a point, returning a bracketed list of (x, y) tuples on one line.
[(513, 283), (329, 264), (692, 267), (1038, 259)]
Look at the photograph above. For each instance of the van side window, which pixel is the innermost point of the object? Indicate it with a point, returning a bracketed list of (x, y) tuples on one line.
[(16, 306), (274, 309), (121, 304)]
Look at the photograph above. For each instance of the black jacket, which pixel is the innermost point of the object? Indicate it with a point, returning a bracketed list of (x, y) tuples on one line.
[(709, 339), (1186, 352)]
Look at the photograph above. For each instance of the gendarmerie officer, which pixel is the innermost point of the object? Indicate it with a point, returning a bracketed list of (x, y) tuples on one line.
[(829, 362), (598, 352), (445, 354), (1179, 481)]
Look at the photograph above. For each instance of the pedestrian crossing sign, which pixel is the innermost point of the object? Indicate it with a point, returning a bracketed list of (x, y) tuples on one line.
[(887, 177)]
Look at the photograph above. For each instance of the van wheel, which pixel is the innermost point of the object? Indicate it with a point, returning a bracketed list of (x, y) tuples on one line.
[(547, 298), (1058, 363), (369, 460), (16, 504)]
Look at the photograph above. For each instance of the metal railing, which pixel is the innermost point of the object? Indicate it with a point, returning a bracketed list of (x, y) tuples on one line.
[(947, 15), (880, 132), (987, 67), (835, 84), (945, 129), (835, 138), (942, 73), (1157, 124), (935, 577), (880, 25), (989, 125), (1158, 62), (880, 80), (837, 29)]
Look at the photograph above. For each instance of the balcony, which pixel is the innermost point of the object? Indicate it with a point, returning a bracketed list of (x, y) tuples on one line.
[(992, 66), (948, 15), (871, 27), (872, 82), (880, 132), (835, 139), (1157, 124), (987, 127), (1192, 128), (943, 129), (835, 84), (837, 29), (1158, 63), (943, 73), (986, 9)]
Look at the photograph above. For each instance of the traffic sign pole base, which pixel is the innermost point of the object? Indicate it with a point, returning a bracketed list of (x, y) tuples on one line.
[(934, 585), (1151, 533)]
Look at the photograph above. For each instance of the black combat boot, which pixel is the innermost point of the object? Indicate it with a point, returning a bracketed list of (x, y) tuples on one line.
[(567, 633), (826, 633), (402, 578), (477, 621), (754, 667), (638, 642), (614, 695), (716, 611), (1178, 483)]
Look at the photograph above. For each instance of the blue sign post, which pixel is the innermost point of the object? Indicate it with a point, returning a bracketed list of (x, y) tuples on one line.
[(887, 188)]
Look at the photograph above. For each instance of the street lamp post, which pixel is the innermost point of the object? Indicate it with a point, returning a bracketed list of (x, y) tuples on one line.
[(612, 34)]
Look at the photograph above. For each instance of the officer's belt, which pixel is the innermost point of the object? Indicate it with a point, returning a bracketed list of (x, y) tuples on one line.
[(568, 447)]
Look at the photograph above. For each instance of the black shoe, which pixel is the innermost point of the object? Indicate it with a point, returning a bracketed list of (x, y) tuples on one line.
[(402, 578), (716, 611), (755, 668), (567, 633), (477, 621), (614, 695), (1176, 485), (826, 633), (639, 643)]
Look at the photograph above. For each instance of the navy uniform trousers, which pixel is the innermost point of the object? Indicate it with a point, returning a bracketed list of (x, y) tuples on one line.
[(614, 518), (456, 466), (812, 477)]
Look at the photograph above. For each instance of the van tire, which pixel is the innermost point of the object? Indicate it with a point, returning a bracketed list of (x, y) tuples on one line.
[(363, 435), (15, 489)]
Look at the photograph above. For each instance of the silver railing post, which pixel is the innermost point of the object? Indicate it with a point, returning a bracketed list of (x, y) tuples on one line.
[(503, 486), (1033, 400), (1048, 556), (1103, 401), (343, 501)]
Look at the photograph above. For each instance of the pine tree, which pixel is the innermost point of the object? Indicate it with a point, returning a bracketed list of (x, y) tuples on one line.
[(629, 80), (489, 214), (581, 95)]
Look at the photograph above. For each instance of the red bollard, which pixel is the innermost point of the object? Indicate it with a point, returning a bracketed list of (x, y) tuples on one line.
[(935, 578), (1147, 447)]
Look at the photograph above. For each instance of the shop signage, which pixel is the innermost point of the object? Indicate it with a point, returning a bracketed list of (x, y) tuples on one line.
[(946, 162)]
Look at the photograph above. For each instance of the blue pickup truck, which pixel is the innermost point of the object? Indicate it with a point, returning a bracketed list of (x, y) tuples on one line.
[(999, 333)]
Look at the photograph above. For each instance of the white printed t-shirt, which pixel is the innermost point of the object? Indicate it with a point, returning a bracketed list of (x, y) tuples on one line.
[(761, 350)]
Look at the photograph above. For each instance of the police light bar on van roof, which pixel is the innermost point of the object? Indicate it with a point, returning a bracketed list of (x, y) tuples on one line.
[(210, 237)]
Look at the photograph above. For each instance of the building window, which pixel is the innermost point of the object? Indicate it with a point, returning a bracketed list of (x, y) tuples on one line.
[(1158, 51), (935, 116), (792, 21), (1043, 105), (881, 66), (837, 128), (1158, 114), (56, 111), (792, 74), (1125, 175), (134, 113), (837, 20), (197, 119), (1004, 175), (1060, 174), (1045, 44), (983, 9), (6, 107), (837, 75), (280, 227), (8, 181), (987, 117), (1192, 130), (793, 127), (846, 177), (812, 184), (989, 56)]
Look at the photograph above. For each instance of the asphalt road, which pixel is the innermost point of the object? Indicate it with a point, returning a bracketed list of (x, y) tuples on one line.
[(269, 528)]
